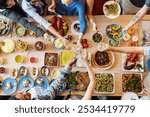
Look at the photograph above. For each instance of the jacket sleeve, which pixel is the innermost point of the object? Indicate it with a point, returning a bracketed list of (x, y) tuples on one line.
[(54, 89), (19, 19), (31, 11), (82, 19)]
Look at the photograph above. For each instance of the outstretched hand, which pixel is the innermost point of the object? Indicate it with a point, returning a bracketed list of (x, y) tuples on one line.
[(73, 60), (103, 47), (52, 7), (84, 54)]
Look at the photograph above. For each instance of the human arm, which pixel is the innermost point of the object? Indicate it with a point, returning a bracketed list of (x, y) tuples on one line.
[(82, 19), (90, 89), (90, 4), (54, 88), (52, 6), (25, 23), (140, 14), (106, 47), (31, 11)]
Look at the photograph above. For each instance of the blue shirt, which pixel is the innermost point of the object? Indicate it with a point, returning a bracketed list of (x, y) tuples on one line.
[(77, 7)]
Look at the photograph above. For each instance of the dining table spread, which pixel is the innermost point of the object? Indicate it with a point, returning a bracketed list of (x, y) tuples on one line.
[(32, 57)]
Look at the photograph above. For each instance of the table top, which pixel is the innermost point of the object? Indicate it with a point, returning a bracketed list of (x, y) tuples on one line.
[(101, 21)]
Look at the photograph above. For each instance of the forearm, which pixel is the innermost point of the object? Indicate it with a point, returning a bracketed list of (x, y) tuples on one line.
[(53, 31), (90, 72), (90, 4), (54, 88), (139, 50), (25, 23), (53, 1), (140, 14), (80, 36), (90, 89)]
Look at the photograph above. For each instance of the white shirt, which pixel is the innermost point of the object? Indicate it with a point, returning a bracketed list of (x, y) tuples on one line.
[(147, 51), (31, 12)]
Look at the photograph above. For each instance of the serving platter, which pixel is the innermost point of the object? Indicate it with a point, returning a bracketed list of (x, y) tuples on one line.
[(105, 83), (132, 82), (51, 59), (65, 57), (140, 61), (104, 67), (60, 25)]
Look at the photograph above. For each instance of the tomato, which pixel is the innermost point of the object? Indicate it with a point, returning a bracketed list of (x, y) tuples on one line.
[(85, 45), (84, 41)]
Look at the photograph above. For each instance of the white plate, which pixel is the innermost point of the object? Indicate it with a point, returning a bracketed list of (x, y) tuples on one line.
[(72, 27), (106, 67), (124, 57), (111, 16)]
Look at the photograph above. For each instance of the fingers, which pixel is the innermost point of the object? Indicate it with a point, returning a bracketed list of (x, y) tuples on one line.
[(146, 91), (102, 47), (94, 27), (51, 8)]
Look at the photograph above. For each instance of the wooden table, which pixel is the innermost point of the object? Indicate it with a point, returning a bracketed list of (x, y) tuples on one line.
[(102, 22)]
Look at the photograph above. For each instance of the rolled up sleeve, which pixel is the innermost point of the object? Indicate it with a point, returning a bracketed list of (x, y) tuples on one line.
[(147, 51), (147, 3), (82, 19), (19, 19), (31, 12)]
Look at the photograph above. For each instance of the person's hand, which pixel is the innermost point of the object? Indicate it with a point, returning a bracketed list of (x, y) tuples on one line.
[(103, 47), (66, 43), (79, 45), (73, 60), (94, 27), (47, 37), (84, 54), (127, 28), (52, 7)]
